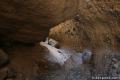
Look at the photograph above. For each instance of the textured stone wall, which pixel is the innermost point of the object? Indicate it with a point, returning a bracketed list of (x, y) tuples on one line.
[(30, 20)]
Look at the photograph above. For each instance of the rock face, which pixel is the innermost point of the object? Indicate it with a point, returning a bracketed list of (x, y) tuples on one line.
[(103, 10), (30, 21)]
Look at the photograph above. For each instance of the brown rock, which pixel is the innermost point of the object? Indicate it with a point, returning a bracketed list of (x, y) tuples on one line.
[(99, 9), (30, 20)]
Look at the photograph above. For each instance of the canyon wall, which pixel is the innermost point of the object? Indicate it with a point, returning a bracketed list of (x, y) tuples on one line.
[(30, 20)]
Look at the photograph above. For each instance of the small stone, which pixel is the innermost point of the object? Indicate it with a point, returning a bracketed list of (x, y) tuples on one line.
[(114, 60), (117, 65)]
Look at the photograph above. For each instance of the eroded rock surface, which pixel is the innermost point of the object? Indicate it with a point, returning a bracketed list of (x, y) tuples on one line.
[(30, 21)]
